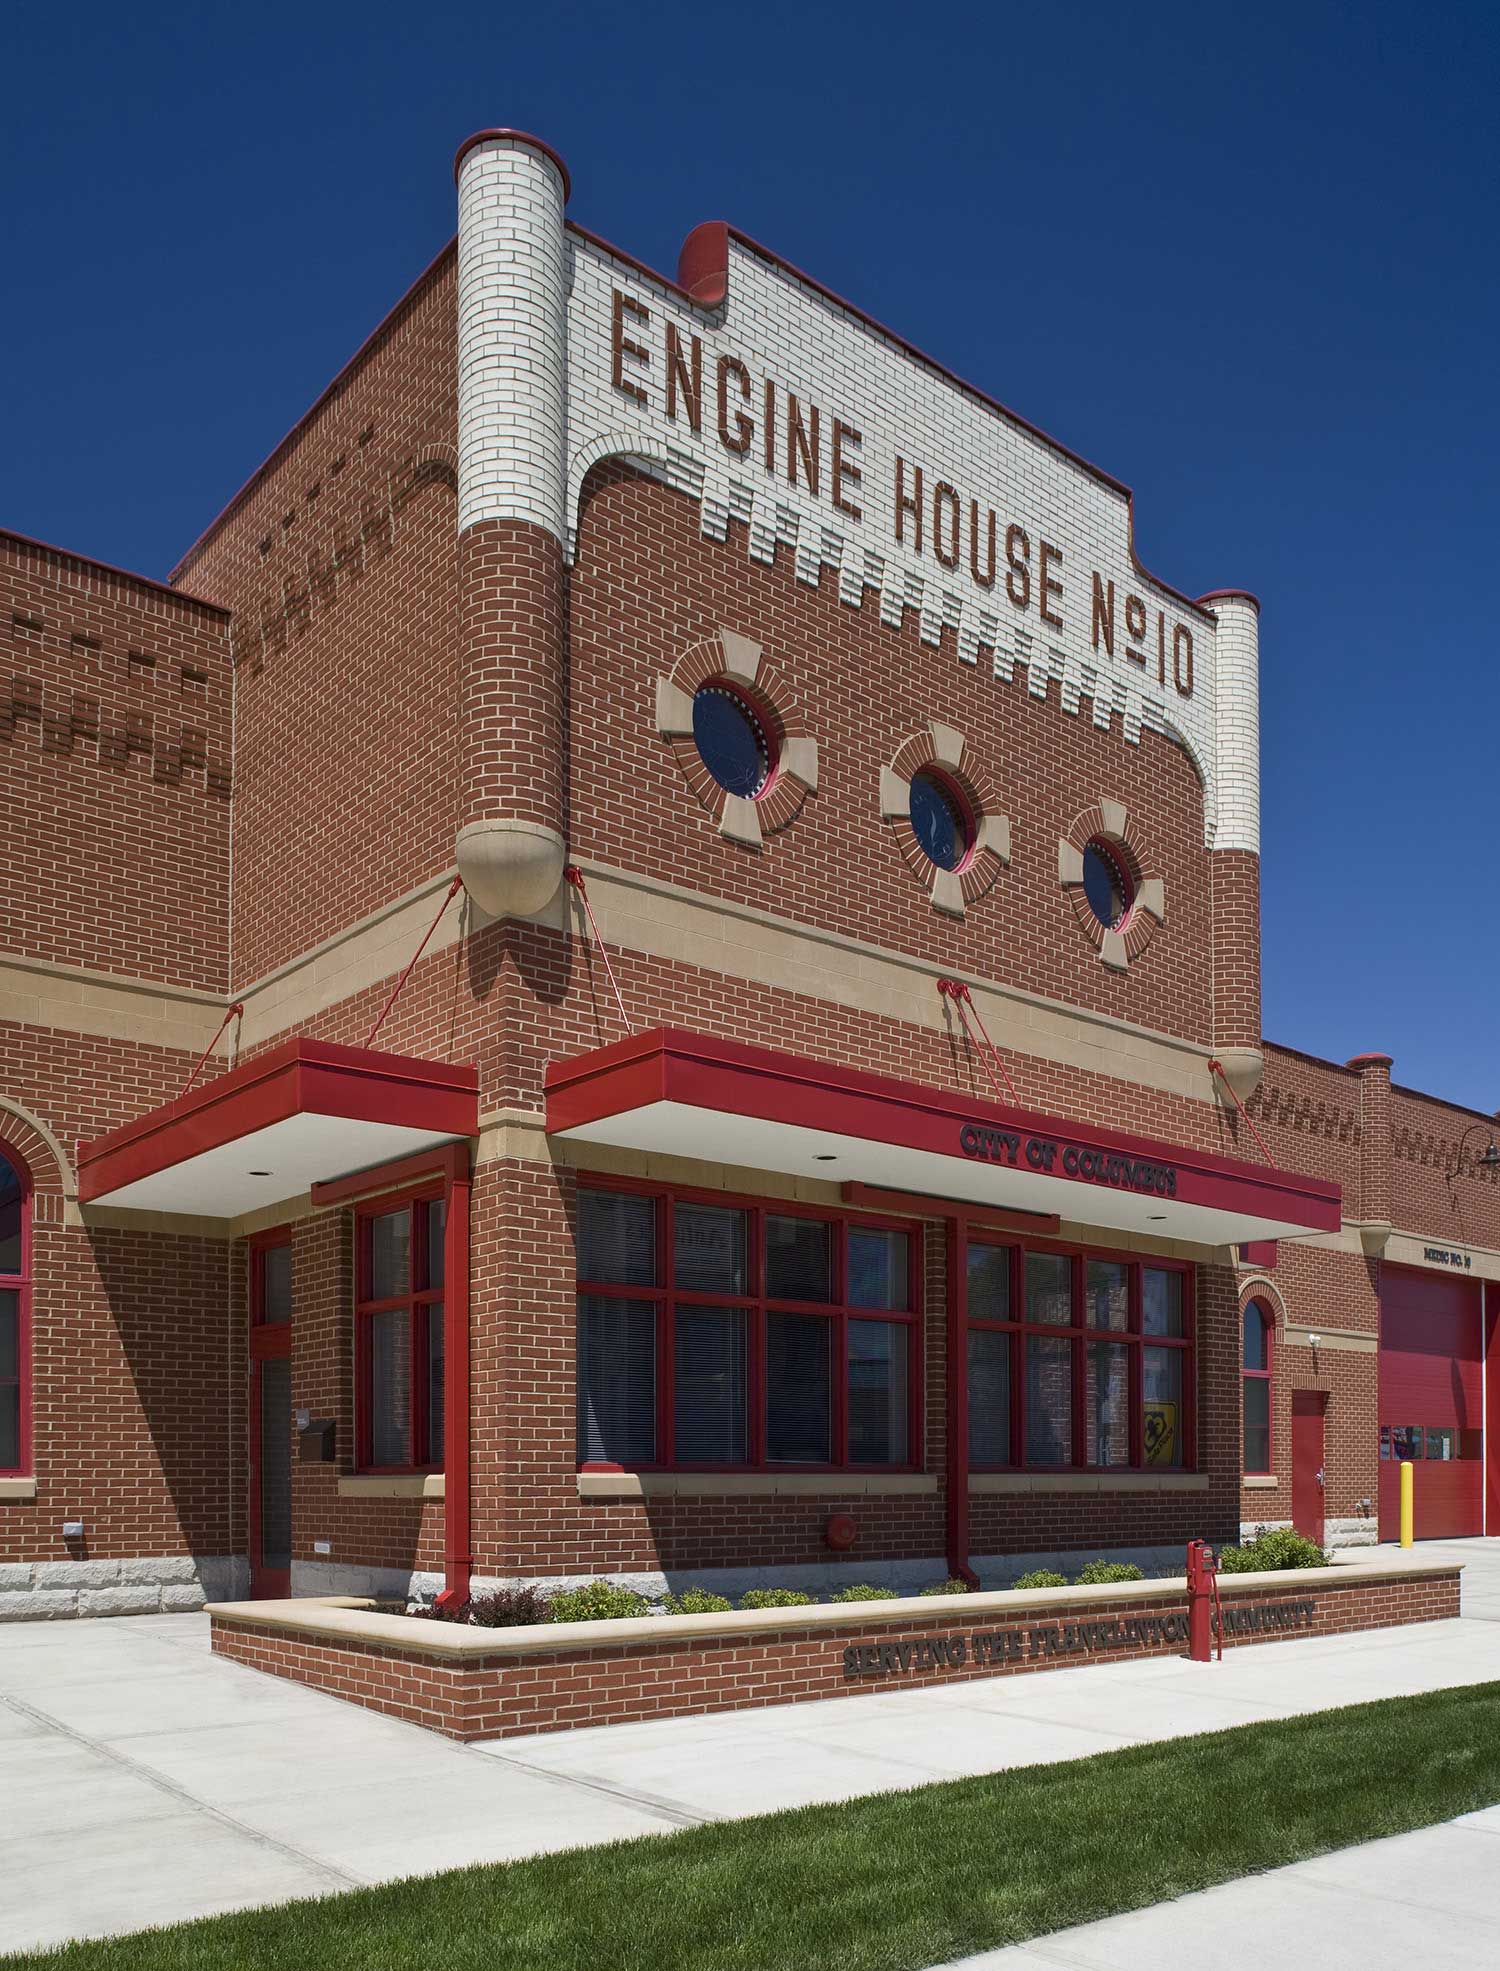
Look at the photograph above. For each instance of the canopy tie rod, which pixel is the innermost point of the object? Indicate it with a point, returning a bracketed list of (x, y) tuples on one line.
[(236, 1012), (411, 964), (963, 999), (574, 875), (1216, 1067)]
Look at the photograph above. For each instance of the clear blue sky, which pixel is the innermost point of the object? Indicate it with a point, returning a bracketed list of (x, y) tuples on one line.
[(1245, 259)]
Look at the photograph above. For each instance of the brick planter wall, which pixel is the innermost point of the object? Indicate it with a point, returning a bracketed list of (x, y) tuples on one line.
[(470, 1684)]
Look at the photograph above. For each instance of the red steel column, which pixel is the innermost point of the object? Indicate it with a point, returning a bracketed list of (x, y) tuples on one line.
[(458, 1546)]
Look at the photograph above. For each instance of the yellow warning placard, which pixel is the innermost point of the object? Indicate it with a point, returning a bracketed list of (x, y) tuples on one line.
[(1161, 1433)]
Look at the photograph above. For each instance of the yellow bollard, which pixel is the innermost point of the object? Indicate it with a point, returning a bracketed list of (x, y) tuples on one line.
[(1408, 1500)]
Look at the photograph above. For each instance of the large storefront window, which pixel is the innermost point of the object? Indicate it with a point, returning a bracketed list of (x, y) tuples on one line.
[(1078, 1360), (398, 1328), (15, 1309), (715, 1336)]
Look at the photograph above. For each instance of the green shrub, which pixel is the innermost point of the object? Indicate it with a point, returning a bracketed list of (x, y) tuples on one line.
[(1098, 1572), (1276, 1549), (1041, 1577), (696, 1601), (954, 1585), (775, 1598), (598, 1601), (861, 1591)]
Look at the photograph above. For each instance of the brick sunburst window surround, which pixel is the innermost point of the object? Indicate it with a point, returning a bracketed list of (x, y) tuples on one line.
[(741, 668), (1110, 829), (945, 755), (719, 1333)]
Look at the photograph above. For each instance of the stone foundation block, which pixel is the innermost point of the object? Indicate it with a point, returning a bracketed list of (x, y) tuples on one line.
[(119, 1601), (14, 1577), (77, 1573), (39, 1606), (178, 1599)]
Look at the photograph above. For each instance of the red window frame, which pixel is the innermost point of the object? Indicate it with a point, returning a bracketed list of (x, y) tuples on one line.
[(419, 1297), (20, 1284), (666, 1296), (1268, 1328), (1078, 1333)]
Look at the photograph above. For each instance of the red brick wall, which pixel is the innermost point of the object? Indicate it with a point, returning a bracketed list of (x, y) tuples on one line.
[(647, 585), (1437, 1190), (340, 566), (364, 1533), (114, 770), (1313, 1287), (512, 740)]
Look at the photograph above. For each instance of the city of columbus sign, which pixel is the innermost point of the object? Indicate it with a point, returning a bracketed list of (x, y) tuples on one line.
[(822, 453), (1044, 1153)]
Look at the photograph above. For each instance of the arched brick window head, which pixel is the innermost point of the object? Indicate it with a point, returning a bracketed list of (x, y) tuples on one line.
[(15, 1313), (1256, 1384)]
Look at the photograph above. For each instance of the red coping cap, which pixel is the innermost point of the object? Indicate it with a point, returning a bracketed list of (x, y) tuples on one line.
[(1229, 595), (1369, 1061), (514, 137)]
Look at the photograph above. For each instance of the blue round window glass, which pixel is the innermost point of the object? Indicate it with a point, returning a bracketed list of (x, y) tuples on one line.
[(938, 820), (731, 741), (1106, 885)]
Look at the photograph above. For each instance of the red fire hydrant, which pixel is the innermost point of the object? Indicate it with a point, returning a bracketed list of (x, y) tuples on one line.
[(1203, 1596)]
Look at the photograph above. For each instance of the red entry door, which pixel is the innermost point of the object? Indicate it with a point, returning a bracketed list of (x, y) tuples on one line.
[(1308, 1406), (270, 1420)]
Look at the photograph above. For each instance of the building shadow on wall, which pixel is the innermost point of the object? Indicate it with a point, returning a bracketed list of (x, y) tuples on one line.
[(168, 1309)]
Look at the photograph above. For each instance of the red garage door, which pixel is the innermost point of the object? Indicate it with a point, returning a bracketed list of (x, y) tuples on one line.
[(1430, 1402)]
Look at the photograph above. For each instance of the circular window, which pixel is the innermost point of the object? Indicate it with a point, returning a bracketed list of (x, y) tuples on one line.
[(732, 742), (940, 819), (1107, 884)]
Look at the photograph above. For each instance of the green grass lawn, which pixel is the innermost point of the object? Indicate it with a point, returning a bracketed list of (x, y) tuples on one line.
[(897, 1881)]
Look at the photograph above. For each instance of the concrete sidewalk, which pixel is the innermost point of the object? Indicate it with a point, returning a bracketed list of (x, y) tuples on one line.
[(147, 1781), (1431, 1899)]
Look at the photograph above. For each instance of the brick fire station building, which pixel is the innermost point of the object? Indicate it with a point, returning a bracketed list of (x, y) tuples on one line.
[(647, 963)]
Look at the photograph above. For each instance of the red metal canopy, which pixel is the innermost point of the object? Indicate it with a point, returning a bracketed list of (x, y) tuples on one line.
[(684, 1094), (268, 1130)]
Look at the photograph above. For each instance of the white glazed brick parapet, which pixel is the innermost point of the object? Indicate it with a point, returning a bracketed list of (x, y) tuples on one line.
[(783, 330), (1237, 723), (512, 337), (65, 1590)]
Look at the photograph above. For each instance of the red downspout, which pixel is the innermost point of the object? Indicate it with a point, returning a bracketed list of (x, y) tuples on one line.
[(457, 1523), (958, 1406)]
